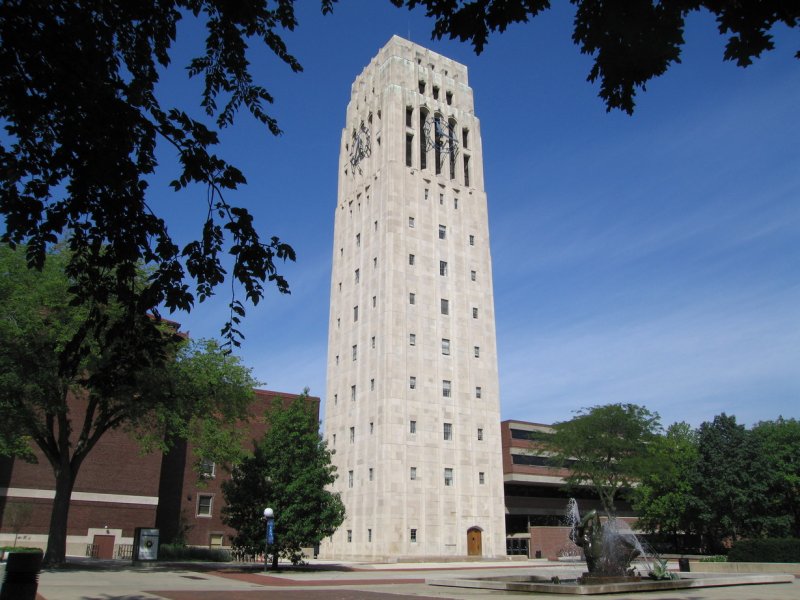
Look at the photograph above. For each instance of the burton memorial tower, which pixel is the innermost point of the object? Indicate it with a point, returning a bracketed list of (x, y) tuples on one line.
[(412, 402)]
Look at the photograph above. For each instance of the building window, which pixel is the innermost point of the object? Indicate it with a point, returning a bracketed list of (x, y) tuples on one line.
[(350, 479), (352, 434), (471, 240), (204, 503), (445, 306), (442, 232), (448, 477), (449, 97), (355, 313), (413, 536), (435, 93), (455, 203), (355, 351), (370, 473), (412, 382), (409, 149), (372, 385), (465, 138), (334, 439), (337, 359), (215, 540), (466, 170), (426, 193), (335, 399), (412, 298), (421, 87), (478, 392), (338, 322), (445, 388), (443, 268), (371, 427), (411, 222), (445, 347), (353, 393), (412, 339), (480, 434), (413, 473), (369, 535), (375, 225), (448, 431), (474, 313), (372, 341), (349, 535), (208, 469), (473, 275), (477, 351), (412, 427), (357, 275), (340, 286), (481, 478), (441, 199), (411, 259), (358, 240)]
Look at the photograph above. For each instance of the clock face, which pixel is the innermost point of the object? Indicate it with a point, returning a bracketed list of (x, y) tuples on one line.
[(359, 146), (439, 134)]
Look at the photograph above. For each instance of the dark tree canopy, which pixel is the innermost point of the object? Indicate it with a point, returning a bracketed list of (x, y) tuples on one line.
[(632, 41), (78, 102)]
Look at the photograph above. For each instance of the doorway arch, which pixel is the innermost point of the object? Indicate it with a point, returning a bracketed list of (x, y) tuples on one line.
[(474, 541)]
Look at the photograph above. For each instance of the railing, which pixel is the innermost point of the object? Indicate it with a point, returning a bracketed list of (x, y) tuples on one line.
[(124, 552), (92, 550)]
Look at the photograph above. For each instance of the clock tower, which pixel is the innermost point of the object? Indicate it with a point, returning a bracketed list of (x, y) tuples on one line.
[(412, 402)]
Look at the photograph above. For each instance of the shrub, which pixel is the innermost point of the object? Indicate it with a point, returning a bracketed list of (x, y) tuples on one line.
[(766, 550), (180, 552), (715, 558), (8, 549)]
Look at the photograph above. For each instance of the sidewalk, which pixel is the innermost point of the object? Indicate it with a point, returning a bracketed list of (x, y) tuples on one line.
[(326, 580)]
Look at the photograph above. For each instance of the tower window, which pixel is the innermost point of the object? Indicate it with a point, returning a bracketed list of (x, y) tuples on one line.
[(353, 393), (426, 193), (355, 313), (474, 313), (370, 478), (446, 388), (411, 222), (409, 149), (409, 116), (435, 93), (421, 86), (477, 351), (466, 170), (372, 384), (412, 298), (358, 240), (448, 476), (480, 434), (335, 401), (445, 347), (448, 431), (375, 225), (423, 146), (412, 427), (349, 535), (349, 484), (411, 259), (357, 275), (372, 341), (471, 240), (337, 359), (371, 427), (442, 232), (443, 268), (449, 97), (374, 262), (413, 536), (478, 392), (334, 439), (445, 306), (355, 351), (412, 339), (412, 384), (473, 275), (369, 532), (481, 478), (441, 199), (455, 203), (465, 138), (412, 473), (374, 301), (352, 434)]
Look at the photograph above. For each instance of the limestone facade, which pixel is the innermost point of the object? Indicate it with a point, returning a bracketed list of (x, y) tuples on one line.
[(412, 407)]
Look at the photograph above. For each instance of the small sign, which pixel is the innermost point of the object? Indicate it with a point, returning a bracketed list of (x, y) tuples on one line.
[(270, 531)]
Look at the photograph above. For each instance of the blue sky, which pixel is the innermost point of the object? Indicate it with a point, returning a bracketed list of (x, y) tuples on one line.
[(649, 259)]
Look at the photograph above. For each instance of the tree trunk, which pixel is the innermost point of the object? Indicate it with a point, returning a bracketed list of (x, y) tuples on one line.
[(57, 537), (275, 560)]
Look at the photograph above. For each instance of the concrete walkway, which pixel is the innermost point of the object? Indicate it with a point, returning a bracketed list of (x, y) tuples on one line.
[(118, 580)]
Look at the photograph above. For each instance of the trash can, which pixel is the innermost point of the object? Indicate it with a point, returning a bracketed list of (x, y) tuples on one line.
[(22, 576), (683, 565)]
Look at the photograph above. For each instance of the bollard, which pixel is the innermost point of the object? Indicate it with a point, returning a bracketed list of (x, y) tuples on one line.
[(22, 576)]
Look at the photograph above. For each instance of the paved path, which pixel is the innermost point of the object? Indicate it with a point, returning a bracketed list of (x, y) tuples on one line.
[(112, 580)]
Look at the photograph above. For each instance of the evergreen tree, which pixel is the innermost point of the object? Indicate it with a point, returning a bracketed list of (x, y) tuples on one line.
[(289, 471)]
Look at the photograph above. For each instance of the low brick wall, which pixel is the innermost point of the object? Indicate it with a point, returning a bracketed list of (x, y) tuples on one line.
[(744, 567), (552, 542)]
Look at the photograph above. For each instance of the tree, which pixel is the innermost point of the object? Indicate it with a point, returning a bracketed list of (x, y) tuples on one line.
[(79, 106), (157, 386), (288, 471), (607, 447), (665, 498), (631, 42), (778, 442), (729, 485)]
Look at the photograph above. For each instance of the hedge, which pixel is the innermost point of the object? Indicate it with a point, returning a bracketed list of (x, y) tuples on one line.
[(776, 550), (180, 552)]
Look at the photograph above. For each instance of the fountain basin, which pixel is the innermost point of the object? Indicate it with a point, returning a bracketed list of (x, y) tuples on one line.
[(540, 584)]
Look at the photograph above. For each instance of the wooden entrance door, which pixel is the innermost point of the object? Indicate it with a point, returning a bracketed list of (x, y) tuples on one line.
[(474, 547), (104, 545)]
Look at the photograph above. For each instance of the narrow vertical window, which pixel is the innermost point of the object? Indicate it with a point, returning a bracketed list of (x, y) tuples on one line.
[(443, 268), (358, 240), (374, 262), (357, 275), (412, 339), (412, 427), (352, 434), (423, 147), (478, 392), (437, 146), (349, 484), (465, 137), (446, 388), (445, 347), (455, 203), (471, 240), (474, 313), (335, 399), (353, 393), (448, 431), (473, 275), (442, 232), (350, 533), (374, 301), (421, 86), (448, 477), (445, 306), (355, 313), (435, 92), (412, 384), (370, 477), (411, 222), (481, 478), (477, 351), (441, 199), (409, 116), (369, 532), (372, 341), (411, 259), (334, 439), (452, 141), (480, 434), (412, 473), (409, 149), (412, 297), (376, 226), (466, 170), (413, 536), (355, 351), (371, 427), (372, 385), (449, 97)]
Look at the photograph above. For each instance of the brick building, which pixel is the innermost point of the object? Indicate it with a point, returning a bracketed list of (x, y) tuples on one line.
[(118, 489)]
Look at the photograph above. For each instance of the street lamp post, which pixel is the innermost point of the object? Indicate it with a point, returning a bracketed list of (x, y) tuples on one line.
[(269, 517)]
